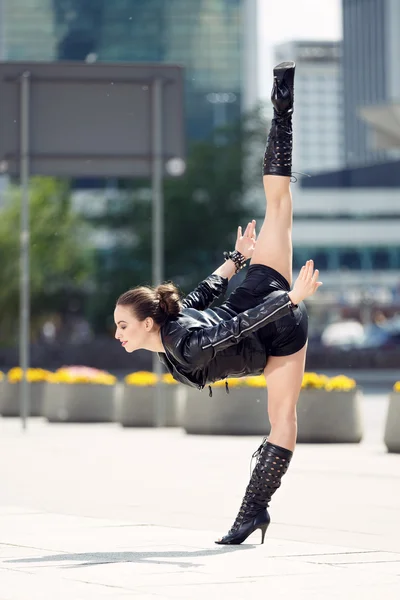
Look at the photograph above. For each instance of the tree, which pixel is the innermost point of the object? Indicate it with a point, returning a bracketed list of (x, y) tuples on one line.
[(203, 209), (60, 260)]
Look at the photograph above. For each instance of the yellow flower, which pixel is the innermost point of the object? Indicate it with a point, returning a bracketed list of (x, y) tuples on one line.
[(15, 375), (396, 386), (340, 383), (253, 381), (141, 378), (314, 381), (168, 379), (53, 378), (257, 381), (1, 375), (322, 382), (232, 382)]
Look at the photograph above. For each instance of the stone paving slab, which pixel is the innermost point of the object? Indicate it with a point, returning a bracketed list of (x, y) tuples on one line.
[(78, 557), (102, 512)]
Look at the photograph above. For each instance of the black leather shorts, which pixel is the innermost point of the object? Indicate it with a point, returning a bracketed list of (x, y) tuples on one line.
[(283, 337)]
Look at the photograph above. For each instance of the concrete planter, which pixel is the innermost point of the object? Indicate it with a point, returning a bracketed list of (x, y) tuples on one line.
[(136, 406), (244, 411), (329, 417), (79, 403), (392, 426), (10, 394)]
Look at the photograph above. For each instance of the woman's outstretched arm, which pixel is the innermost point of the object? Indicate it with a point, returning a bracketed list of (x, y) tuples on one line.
[(226, 270), (206, 292), (212, 287)]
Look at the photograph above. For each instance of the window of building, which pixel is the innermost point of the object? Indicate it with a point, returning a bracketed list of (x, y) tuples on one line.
[(381, 258), (363, 259)]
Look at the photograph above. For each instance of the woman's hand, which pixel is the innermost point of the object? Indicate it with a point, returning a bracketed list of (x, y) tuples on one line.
[(245, 243), (306, 283)]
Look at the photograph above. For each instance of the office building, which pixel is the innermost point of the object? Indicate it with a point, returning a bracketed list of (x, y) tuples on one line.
[(215, 40), (371, 50), (317, 122)]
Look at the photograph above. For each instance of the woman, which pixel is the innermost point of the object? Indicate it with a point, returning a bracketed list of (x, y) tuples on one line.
[(261, 328)]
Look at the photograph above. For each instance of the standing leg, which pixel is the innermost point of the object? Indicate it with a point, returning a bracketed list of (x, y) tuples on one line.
[(284, 375), (274, 243)]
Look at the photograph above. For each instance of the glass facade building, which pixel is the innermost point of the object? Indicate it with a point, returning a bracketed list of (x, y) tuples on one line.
[(318, 129), (208, 37), (371, 47)]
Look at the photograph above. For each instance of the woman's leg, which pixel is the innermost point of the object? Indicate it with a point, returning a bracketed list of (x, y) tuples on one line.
[(284, 375), (274, 243)]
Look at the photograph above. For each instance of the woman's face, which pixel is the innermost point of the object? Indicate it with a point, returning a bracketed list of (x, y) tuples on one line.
[(131, 332)]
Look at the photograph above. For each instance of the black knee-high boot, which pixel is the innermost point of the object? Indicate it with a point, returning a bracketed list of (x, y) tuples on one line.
[(272, 463), (278, 151)]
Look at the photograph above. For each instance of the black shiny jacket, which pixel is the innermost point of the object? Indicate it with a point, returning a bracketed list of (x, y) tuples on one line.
[(204, 345)]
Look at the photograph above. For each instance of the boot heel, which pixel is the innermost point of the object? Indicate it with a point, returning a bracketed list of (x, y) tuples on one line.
[(263, 532), (272, 463)]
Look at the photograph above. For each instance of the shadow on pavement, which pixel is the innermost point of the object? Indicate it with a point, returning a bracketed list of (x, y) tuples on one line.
[(87, 559)]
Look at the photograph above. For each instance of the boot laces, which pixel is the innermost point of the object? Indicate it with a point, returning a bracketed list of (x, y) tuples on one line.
[(280, 134), (248, 508), (264, 477)]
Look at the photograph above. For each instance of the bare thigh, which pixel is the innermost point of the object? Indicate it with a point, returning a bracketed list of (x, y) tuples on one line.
[(274, 243), (284, 375)]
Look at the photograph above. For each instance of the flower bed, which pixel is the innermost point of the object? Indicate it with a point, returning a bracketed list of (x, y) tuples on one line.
[(316, 381), (77, 374), (79, 395), (137, 405), (392, 425), (244, 411), (11, 391), (329, 410)]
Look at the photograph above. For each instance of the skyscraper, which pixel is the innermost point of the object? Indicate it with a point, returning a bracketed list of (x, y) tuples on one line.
[(318, 124), (215, 40), (371, 47)]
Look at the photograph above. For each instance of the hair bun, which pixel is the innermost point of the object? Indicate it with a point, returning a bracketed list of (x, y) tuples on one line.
[(158, 303), (168, 299), (163, 305)]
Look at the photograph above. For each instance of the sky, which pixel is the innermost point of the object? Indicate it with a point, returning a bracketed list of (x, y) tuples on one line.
[(286, 20)]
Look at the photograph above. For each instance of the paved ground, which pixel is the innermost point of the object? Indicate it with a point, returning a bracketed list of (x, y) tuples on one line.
[(97, 511)]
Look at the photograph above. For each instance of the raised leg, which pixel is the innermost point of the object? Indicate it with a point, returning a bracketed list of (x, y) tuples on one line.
[(274, 244)]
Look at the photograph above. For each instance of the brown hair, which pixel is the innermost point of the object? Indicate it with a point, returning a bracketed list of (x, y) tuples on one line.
[(158, 303)]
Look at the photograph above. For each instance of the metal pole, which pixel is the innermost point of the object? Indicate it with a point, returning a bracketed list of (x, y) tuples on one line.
[(158, 222), (24, 337), (2, 31)]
